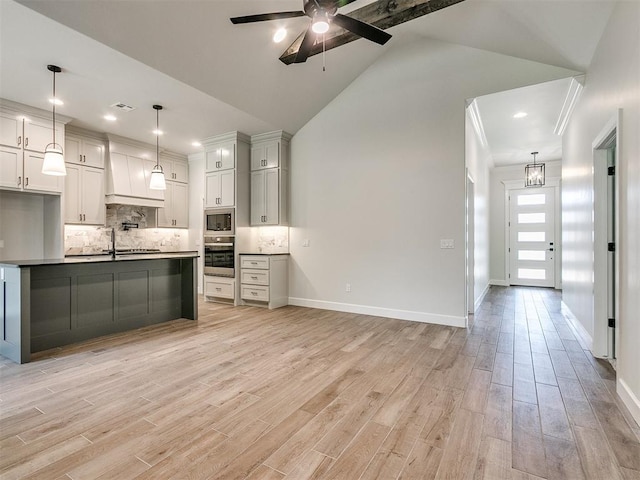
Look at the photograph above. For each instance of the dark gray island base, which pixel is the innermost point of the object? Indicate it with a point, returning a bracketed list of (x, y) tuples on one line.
[(50, 303)]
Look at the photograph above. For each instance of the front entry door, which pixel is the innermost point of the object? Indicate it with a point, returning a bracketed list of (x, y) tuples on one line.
[(532, 242)]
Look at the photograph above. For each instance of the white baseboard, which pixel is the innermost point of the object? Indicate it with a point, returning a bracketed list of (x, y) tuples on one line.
[(629, 399), (480, 299), (498, 283), (424, 317), (584, 337)]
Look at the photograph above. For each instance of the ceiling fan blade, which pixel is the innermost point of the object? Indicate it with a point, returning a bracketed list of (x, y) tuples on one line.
[(263, 17), (365, 30), (342, 3), (305, 46)]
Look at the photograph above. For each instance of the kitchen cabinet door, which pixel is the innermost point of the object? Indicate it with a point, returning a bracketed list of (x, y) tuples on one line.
[(165, 214), (34, 179), (180, 205), (227, 188), (265, 155), (72, 194), (92, 200), (180, 172), (265, 197), (11, 167), (221, 156), (38, 134), (72, 150), (93, 153), (220, 189), (10, 130)]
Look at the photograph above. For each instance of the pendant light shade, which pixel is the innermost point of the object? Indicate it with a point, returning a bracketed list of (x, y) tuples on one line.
[(534, 173), (157, 174), (53, 163)]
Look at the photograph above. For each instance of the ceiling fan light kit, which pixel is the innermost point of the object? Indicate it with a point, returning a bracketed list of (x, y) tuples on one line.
[(322, 13)]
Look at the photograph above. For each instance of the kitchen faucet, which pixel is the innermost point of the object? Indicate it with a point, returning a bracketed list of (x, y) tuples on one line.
[(113, 243)]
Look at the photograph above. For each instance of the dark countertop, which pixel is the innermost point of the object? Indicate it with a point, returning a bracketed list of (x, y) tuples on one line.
[(262, 253), (97, 259)]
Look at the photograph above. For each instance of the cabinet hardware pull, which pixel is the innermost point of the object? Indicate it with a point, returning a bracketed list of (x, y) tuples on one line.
[(19, 181), (26, 181), (80, 215), (80, 157), (84, 217), (19, 140), (26, 141), (84, 158), (218, 289)]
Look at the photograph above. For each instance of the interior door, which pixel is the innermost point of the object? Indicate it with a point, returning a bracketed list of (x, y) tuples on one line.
[(532, 243)]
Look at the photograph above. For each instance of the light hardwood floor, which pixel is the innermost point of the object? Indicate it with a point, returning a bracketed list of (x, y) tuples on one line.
[(299, 393)]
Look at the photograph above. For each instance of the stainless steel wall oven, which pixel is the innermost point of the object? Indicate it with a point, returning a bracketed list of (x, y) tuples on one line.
[(219, 256)]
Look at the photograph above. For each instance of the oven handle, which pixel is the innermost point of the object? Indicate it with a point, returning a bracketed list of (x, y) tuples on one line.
[(218, 244)]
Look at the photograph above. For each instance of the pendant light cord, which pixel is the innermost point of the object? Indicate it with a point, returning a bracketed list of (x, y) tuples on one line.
[(323, 50), (157, 137), (54, 108)]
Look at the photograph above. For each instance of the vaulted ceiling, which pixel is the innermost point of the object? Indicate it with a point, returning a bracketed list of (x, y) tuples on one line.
[(213, 76)]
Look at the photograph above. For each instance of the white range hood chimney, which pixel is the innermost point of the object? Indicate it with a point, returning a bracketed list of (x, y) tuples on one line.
[(129, 167)]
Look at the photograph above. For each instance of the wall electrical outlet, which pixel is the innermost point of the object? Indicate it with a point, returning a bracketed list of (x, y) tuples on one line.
[(347, 287), (446, 243)]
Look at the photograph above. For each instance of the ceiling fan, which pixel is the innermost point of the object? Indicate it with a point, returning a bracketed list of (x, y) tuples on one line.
[(322, 13)]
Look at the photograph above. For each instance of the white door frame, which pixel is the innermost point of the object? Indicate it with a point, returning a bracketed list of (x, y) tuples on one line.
[(601, 334), (510, 185), (470, 243)]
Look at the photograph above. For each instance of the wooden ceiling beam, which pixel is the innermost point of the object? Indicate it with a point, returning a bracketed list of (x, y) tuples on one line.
[(383, 14)]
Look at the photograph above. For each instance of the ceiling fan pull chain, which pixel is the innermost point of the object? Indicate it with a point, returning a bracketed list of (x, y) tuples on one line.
[(323, 50)]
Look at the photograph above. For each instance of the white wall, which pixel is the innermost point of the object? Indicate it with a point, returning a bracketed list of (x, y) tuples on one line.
[(498, 268), (479, 162), (612, 82), (378, 178), (196, 211), (22, 226)]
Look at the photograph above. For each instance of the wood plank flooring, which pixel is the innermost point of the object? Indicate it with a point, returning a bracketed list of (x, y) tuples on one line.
[(296, 393)]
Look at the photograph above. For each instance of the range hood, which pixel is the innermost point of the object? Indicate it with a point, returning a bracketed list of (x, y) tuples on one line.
[(129, 166)]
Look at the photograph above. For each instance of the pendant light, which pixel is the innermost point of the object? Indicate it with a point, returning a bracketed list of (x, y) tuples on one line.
[(157, 174), (534, 173), (53, 163)]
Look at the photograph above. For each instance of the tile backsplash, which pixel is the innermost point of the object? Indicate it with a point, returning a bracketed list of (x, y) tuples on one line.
[(80, 239)]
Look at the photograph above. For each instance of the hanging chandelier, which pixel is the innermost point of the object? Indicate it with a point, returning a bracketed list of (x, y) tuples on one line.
[(534, 173), (53, 163)]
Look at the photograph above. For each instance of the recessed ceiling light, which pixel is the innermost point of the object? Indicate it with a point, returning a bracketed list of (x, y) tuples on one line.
[(196, 144), (109, 117), (56, 101), (520, 115), (158, 132), (280, 35)]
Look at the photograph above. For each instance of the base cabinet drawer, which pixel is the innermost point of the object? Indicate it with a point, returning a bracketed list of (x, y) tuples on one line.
[(253, 292), (261, 263), (219, 287), (255, 277)]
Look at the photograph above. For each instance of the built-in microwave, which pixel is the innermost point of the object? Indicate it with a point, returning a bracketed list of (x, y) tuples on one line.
[(219, 221)]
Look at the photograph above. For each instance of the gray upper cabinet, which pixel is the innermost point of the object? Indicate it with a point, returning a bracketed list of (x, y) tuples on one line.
[(269, 178)]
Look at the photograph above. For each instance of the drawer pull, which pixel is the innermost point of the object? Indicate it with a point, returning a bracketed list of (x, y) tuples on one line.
[(218, 289), (254, 293), (254, 278)]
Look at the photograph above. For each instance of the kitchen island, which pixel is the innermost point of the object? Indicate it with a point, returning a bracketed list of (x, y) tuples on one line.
[(54, 302)]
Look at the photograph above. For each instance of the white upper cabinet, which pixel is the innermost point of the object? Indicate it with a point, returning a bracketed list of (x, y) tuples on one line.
[(174, 170), (175, 213), (220, 156), (23, 139), (84, 195), (219, 189), (265, 154), (84, 151)]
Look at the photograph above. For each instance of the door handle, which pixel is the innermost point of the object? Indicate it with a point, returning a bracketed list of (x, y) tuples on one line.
[(19, 140)]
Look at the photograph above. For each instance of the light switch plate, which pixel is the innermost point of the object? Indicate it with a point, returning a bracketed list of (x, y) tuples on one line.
[(446, 243), (305, 242)]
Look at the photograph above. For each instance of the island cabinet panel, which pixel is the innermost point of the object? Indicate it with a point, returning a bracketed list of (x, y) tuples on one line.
[(133, 295), (95, 300), (48, 306)]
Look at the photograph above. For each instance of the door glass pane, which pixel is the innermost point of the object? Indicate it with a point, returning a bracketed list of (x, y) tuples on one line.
[(531, 236), (538, 255), (531, 273), (536, 199), (538, 217)]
